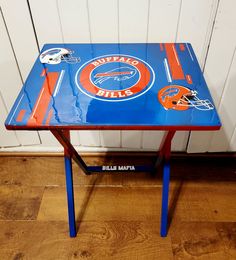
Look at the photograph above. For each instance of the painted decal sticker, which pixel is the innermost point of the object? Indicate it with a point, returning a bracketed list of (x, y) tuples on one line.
[(181, 98), (118, 168), (41, 105), (174, 62), (57, 55), (115, 77)]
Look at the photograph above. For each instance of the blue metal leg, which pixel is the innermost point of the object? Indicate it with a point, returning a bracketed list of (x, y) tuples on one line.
[(165, 150), (165, 193), (70, 195)]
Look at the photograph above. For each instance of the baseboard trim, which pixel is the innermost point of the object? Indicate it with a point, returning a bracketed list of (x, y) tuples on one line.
[(120, 153)]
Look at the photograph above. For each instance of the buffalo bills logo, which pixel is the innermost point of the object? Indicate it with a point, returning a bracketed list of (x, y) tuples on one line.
[(122, 73), (115, 78), (170, 92)]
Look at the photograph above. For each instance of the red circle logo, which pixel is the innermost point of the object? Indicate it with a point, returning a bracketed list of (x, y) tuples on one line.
[(115, 77)]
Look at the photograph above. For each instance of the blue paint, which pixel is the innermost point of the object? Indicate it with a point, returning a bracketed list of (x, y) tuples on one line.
[(70, 196), (75, 106), (165, 193)]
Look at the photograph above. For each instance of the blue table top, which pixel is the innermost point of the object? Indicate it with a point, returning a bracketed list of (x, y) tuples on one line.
[(115, 86)]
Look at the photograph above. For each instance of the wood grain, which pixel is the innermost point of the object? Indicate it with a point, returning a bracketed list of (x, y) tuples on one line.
[(19, 203), (204, 242), (103, 204), (117, 215), (96, 240)]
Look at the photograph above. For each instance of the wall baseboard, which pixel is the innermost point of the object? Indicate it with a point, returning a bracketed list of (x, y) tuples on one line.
[(101, 152)]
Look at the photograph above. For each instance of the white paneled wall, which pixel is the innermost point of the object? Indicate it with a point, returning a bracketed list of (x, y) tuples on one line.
[(10, 83), (220, 75), (210, 25)]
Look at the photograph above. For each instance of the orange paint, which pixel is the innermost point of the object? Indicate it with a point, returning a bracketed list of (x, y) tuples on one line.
[(20, 115), (92, 88), (44, 71), (43, 100), (189, 79), (182, 47), (49, 117), (161, 47), (173, 60)]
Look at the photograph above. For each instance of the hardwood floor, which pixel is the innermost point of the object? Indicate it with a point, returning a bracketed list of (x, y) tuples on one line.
[(118, 215)]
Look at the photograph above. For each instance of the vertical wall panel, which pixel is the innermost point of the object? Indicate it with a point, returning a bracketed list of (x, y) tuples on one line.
[(131, 139), (74, 137), (110, 138), (74, 20), (47, 21), (49, 140), (133, 20), (195, 24), (17, 17), (199, 141), (7, 138), (152, 139), (217, 66), (10, 81), (89, 138), (163, 20), (180, 140), (103, 18), (221, 139)]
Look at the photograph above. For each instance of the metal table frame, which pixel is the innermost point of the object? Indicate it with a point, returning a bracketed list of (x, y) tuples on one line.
[(63, 136)]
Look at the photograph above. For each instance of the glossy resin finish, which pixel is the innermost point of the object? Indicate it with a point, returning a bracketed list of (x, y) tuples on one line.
[(115, 86)]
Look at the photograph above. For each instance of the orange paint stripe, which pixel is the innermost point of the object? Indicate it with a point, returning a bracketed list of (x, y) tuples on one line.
[(43, 100), (182, 47), (43, 73), (173, 60), (49, 117), (161, 47), (189, 79), (112, 74), (20, 115)]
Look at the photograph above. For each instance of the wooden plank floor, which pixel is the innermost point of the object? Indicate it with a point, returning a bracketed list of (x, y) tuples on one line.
[(118, 215)]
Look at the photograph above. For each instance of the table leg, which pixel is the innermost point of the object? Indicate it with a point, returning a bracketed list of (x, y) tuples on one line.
[(63, 136), (165, 196), (165, 150), (70, 191)]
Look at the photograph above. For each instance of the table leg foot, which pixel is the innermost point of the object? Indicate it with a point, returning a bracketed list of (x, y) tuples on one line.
[(70, 196), (165, 192)]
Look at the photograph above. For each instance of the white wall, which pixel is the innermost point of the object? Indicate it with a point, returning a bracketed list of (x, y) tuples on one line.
[(210, 25)]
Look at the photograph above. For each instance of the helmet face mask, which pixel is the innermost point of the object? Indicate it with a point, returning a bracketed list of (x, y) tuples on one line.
[(181, 98), (194, 101), (58, 55)]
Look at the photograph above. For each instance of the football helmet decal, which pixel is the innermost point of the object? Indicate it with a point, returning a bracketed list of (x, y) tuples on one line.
[(181, 98), (57, 55)]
